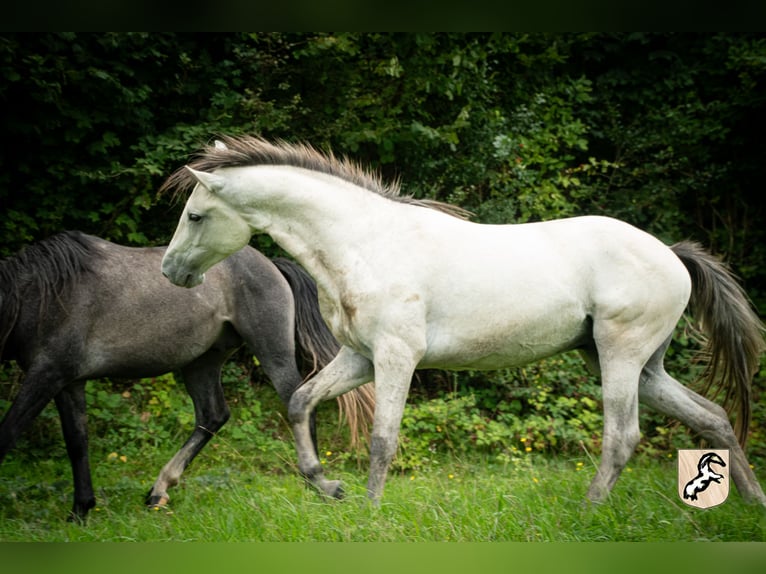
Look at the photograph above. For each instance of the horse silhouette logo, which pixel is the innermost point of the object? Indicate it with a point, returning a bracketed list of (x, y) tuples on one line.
[(703, 477)]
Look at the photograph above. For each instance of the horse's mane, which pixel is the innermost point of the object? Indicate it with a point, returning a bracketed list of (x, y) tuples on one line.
[(46, 270), (246, 151)]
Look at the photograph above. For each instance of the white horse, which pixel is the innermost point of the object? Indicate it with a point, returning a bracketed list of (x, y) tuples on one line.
[(407, 284)]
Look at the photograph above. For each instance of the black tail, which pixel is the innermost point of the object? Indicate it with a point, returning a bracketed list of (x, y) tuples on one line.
[(733, 330), (316, 343)]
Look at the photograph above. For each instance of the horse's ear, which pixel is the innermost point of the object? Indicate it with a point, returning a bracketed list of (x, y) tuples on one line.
[(219, 144), (210, 181)]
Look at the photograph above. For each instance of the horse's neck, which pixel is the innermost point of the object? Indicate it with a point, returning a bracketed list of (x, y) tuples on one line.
[(312, 215)]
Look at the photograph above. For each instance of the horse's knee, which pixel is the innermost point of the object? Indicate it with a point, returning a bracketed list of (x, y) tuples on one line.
[(220, 418), (299, 407), (382, 448)]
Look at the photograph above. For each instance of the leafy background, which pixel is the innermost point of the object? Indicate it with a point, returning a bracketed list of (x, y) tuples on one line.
[(664, 130)]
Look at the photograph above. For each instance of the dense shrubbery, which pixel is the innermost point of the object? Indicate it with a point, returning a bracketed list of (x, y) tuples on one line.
[(662, 130)]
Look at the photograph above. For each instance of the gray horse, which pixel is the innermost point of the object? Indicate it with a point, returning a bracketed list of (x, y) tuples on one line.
[(76, 307)]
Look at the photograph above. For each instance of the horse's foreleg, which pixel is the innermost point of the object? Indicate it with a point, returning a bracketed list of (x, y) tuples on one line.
[(347, 371), (70, 403), (202, 381), (394, 367)]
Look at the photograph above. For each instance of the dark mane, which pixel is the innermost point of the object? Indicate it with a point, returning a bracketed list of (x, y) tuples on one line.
[(246, 151), (46, 271)]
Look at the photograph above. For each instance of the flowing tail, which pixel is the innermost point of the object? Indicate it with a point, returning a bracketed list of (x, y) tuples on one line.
[(317, 346), (733, 332)]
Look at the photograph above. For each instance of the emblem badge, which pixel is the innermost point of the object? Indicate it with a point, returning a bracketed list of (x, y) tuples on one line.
[(703, 477)]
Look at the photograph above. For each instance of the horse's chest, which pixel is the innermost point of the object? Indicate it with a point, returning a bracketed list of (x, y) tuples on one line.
[(361, 317), (340, 313)]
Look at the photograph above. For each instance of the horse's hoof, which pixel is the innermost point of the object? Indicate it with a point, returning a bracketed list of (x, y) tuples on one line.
[(157, 502), (79, 512), (77, 518), (334, 489)]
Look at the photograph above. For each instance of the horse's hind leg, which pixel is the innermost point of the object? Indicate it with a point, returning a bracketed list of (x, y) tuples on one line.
[(621, 429), (663, 393), (70, 403), (622, 347), (39, 386), (42, 383), (202, 379)]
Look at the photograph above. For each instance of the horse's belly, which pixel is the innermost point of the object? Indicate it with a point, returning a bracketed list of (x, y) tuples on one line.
[(488, 347)]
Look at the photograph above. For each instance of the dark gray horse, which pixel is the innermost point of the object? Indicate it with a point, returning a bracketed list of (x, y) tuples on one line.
[(76, 307)]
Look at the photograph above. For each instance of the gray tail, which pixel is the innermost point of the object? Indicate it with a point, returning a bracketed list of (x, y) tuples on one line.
[(733, 331), (317, 347)]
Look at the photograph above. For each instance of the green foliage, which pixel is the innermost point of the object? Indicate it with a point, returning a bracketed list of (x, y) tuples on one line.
[(660, 129), (550, 407), (663, 130), (148, 415)]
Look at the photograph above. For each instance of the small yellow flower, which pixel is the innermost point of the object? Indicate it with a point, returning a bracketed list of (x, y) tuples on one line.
[(412, 477), (535, 480), (628, 469), (124, 458), (450, 476), (528, 449), (523, 439), (328, 453), (111, 456)]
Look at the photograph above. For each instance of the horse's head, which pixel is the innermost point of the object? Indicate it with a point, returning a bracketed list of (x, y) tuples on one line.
[(210, 229)]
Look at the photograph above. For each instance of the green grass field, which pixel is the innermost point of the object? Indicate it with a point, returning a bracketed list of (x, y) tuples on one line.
[(245, 486), (225, 498)]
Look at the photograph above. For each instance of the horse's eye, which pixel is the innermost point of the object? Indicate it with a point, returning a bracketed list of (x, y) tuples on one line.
[(194, 217)]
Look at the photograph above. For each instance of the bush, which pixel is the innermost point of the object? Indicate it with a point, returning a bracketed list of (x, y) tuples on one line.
[(547, 407)]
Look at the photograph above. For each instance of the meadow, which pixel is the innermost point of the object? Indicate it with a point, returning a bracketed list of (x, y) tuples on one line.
[(227, 498), (449, 482)]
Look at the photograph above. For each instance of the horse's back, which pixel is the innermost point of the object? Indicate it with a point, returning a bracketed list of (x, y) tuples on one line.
[(534, 290), (123, 318), (581, 257)]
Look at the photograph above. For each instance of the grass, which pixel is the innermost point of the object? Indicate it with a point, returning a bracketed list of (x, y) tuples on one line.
[(245, 487), (224, 498)]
